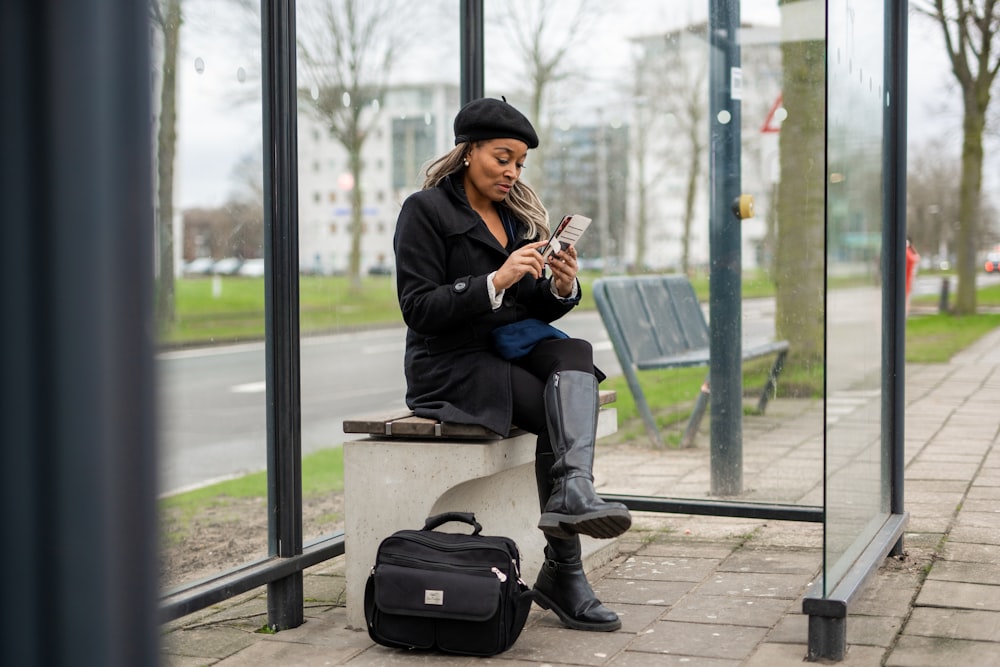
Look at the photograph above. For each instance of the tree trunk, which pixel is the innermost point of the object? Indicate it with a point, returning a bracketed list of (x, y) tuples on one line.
[(694, 175), (642, 214), (357, 217), (800, 251), (968, 211), (166, 150)]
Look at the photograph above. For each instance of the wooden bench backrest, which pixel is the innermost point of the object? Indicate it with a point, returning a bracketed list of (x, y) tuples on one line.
[(653, 316)]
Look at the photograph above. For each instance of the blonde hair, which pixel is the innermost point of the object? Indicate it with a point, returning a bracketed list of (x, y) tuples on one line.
[(521, 200)]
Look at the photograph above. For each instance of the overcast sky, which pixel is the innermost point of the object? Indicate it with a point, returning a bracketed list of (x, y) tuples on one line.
[(218, 73)]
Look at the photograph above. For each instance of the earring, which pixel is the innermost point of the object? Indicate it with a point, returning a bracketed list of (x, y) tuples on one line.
[(466, 162)]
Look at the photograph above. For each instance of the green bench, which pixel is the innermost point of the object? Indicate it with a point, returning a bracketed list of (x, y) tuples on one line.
[(656, 322)]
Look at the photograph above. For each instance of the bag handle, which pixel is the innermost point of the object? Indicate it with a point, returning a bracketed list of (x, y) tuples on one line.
[(462, 517)]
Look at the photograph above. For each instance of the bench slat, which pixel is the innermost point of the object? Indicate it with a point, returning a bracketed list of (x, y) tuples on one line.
[(403, 424)]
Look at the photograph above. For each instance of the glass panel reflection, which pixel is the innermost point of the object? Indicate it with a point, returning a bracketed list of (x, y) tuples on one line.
[(625, 139), (210, 296), (857, 494), (379, 86)]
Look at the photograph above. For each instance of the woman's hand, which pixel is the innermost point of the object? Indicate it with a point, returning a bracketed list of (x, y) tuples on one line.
[(524, 260), (564, 269)]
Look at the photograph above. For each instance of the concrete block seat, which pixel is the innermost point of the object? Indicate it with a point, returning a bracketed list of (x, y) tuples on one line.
[(409, 468)]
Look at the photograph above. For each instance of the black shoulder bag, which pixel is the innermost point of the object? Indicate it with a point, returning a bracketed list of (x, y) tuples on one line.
[(456, 593)]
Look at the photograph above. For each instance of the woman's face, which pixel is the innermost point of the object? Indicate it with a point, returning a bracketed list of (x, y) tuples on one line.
[(494, 166)]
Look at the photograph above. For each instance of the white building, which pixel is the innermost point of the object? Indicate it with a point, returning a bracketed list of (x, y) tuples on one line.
[(413, 126), (671, 129)]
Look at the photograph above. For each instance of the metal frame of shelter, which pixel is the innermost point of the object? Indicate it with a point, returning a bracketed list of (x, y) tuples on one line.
[(53, 162), (282, 570)]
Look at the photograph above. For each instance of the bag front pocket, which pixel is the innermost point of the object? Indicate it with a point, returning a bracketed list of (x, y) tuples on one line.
[(467, 594)]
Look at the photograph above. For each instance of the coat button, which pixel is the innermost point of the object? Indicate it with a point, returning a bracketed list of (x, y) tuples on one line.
[(508, 302), (460, 286)]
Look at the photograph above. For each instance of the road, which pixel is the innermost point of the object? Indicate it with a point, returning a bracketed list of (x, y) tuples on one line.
[(212, 400)]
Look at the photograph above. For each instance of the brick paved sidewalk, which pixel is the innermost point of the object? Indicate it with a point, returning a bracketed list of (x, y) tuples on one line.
[(714, 591)]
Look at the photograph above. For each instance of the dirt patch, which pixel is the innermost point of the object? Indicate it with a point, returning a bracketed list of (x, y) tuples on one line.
[(230, 533)]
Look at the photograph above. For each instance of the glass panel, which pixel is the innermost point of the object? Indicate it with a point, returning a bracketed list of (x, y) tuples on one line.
[(857, 493), (364, 134), (210, 298), (625, 139)]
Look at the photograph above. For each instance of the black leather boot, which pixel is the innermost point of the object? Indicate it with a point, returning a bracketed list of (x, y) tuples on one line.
[(562, 584), (571, 406)]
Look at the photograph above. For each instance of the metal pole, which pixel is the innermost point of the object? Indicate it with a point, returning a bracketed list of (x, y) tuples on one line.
[(725, 300), (285, 598), (471, 17), (894, 248), (79, 472)]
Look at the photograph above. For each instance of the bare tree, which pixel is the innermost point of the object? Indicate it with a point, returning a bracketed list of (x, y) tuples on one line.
[(932, 197), (670, 70), (544, 37), (166, 17), (347, 50), (969, 28)]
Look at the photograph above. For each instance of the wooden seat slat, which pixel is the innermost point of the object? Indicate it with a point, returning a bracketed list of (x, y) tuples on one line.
[(404, 424)]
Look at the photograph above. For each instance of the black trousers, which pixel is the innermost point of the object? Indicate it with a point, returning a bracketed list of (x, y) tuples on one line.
[(530, 373)]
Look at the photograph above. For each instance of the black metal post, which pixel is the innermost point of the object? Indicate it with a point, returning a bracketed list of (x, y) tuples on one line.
[(285, 598), (472, 87), (725, 300), (78, 478), (894, 247)]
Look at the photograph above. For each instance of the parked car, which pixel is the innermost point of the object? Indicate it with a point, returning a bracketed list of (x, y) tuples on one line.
[(199, 266), (252, 267), (227, 266), (992, 262)]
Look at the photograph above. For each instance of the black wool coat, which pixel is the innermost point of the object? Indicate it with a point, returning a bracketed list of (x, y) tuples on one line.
[(444, 253)]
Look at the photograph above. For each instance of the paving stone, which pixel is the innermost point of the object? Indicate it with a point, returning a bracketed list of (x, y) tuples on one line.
[(955, 624), (642, 659), (544, 643), (973, 573), (972, 553), (325, 588), (773, 561), (793, 628), (700, 640), (872, 630), (209, 642), (927, 523), (634, 617), (791, 655), (941, 471), (683, 547), (381, 656), (913, 651), (983, 505), (771, 654), (959, 595), (641, 591), (755, 585), (285, 653), (889, 593), (754, 611), (664, 568), (984, 493), (975, 535)]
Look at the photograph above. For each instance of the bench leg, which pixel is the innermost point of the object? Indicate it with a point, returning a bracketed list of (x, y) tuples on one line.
[(772, 381), (697, 414), (642, 406)]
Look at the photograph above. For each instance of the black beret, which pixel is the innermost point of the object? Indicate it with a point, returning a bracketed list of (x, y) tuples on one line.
[(488, 118)]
